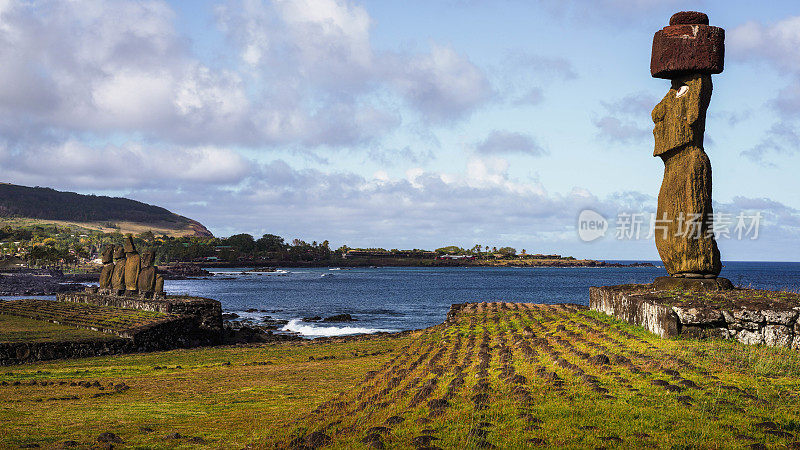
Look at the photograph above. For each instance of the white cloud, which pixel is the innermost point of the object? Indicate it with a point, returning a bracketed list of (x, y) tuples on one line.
[(326, 44), (308, 75), (507, 142), (76, 164), (442, 85), (778, 43)]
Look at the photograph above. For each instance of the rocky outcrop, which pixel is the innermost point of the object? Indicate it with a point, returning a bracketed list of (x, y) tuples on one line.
[(183, 271), (23, 283)]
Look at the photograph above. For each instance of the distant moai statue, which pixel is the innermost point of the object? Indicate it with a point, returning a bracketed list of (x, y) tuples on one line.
[(159, 287), (132, 265), (686, 52), (107, 258), (147, 274), (118, 277)]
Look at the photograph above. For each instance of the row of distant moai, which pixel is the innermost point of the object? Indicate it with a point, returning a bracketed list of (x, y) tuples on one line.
[(126, 272)]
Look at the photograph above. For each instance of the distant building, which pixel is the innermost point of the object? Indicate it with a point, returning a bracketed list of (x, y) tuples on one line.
[(350, 254), (456, 257)]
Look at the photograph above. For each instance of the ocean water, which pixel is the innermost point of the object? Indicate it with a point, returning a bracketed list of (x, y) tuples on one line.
[(394, 298)]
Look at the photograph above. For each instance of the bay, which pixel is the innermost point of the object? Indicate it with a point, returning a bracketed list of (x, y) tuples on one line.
[(395, 298)]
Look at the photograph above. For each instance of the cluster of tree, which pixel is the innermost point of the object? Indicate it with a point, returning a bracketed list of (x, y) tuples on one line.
[(47, 245), (479, 251), (242, 247)]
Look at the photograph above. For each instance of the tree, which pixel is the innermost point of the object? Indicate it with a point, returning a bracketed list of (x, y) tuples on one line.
[(270, 243), (242, 242), (507, 251)]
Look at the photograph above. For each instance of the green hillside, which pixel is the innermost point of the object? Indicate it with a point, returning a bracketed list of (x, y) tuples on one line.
[(49, 205)]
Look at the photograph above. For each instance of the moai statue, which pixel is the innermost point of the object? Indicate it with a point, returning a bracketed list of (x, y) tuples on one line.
[(147, 275), (118, 277), (106, 274), (132, 264), (159, 288), (686, 52)]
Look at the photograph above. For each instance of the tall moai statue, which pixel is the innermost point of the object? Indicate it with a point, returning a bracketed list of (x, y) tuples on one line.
[(118, 277), (686, 52), (132, 265), (107, 258), (147, 274)]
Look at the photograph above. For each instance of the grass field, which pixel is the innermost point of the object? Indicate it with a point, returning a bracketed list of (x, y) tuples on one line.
[(499, 375)]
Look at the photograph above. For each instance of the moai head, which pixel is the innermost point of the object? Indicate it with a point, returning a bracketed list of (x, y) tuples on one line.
[(108, 254), (148, 256), (680, 117), (127, 243), (119, 252)]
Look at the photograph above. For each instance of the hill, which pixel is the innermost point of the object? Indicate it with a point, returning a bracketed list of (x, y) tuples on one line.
[(39, 204)]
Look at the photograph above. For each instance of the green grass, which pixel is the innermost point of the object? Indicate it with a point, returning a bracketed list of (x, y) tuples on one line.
[(503, 375), (229, 396), (730, 298), (22, 329)]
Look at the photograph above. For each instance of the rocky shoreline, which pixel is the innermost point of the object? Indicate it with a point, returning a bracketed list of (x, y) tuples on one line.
[(40, 283)]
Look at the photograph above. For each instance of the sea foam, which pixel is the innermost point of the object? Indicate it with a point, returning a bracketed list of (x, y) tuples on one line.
[(306, 329)]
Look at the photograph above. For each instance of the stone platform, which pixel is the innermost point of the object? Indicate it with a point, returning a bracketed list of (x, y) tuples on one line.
[(750, 316), (120, 331), (208, 312)]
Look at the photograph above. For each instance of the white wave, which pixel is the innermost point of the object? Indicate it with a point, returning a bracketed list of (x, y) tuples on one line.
[(305, 329)]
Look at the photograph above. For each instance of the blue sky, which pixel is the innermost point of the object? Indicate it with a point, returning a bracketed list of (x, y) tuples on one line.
[(395, 124)]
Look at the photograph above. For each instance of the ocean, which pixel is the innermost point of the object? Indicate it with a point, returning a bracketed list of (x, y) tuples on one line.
[(395, 298)]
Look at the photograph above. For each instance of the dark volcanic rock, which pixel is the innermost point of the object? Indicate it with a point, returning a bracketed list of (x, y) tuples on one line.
[(183, 271), (30, 284), (340, 318)]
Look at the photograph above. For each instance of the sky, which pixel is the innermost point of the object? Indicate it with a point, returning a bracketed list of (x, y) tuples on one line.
[(397, 124)]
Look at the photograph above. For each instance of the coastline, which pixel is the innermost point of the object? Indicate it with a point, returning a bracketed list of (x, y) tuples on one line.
[(413, 262)]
